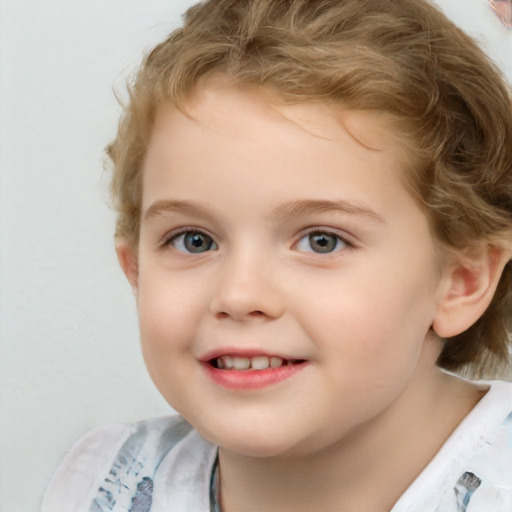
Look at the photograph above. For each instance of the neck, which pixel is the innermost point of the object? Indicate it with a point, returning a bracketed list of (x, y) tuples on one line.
[(376, 457)]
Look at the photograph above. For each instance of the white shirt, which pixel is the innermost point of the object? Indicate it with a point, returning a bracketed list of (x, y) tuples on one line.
[(163, 465)]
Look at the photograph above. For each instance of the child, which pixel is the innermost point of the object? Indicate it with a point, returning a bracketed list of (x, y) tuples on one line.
[(315, 214)]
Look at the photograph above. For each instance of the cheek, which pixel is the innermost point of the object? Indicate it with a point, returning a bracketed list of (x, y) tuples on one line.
[(367, 344), (169, 312), (168, 301), (368, 318), (167, 325)]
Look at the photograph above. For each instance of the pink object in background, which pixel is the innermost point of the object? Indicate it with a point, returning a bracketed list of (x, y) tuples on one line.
[(503, 9)]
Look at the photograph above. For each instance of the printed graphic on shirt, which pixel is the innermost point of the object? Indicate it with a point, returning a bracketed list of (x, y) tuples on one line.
[(464, 489), (129, 485), (484, 486), (487, 484)]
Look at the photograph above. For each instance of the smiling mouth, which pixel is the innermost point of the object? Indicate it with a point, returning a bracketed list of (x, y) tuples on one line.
[(251, 363)]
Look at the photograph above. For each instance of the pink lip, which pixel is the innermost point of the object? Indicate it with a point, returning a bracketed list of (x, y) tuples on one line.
[(251, 379)]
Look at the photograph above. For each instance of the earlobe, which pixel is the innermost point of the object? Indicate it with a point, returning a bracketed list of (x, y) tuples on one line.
[(127, 257), (467, 289)]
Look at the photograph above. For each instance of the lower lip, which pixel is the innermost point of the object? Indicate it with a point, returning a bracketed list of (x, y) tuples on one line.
[(252, 379)]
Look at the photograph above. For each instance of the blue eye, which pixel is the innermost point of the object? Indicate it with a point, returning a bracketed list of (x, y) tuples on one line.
[(193, 242), (321, 242)]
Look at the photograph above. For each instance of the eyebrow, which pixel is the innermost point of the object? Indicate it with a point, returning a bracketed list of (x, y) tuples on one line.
[(170, 206), (300, 207), (283, 212)]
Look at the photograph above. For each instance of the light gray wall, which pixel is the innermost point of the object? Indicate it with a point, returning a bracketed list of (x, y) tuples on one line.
[(69, 355)]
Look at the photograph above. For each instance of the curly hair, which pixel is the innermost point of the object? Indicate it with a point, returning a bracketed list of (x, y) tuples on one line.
[(404, 58)]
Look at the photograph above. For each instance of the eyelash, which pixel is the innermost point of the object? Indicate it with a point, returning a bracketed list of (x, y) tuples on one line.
[(341, 243), (171, 238)]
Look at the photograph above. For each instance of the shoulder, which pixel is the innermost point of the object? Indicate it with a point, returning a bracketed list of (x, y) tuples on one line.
[(500, 394), (111, 453), (485, 480), (491, 415), (472, 472), (490, 467)]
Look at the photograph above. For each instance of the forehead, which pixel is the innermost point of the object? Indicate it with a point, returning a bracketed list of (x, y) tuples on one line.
[(246, 137), (215, 99)]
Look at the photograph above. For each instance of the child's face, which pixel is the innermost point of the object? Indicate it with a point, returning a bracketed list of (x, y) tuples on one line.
[(272, 235)]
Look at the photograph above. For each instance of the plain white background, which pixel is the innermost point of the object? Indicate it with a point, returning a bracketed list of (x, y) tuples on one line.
[(69, 357)]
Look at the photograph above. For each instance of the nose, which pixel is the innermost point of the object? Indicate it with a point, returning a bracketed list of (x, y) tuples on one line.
[(248, 288)]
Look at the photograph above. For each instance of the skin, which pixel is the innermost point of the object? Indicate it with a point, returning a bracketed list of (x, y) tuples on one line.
[(247, 178)]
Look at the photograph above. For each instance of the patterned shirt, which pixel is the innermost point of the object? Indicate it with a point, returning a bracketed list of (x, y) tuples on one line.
[(164, 465)]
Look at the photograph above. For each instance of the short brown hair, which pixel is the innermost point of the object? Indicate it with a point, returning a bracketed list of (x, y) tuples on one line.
[(403, 58)]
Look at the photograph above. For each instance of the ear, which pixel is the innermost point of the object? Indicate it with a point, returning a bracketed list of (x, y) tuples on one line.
[(127, 257), (467, 289)]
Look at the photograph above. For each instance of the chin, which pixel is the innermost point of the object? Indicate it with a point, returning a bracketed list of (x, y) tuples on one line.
[(262, 450), (249, 440)]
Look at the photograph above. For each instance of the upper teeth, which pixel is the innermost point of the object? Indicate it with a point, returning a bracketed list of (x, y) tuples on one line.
[(248, 363)]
